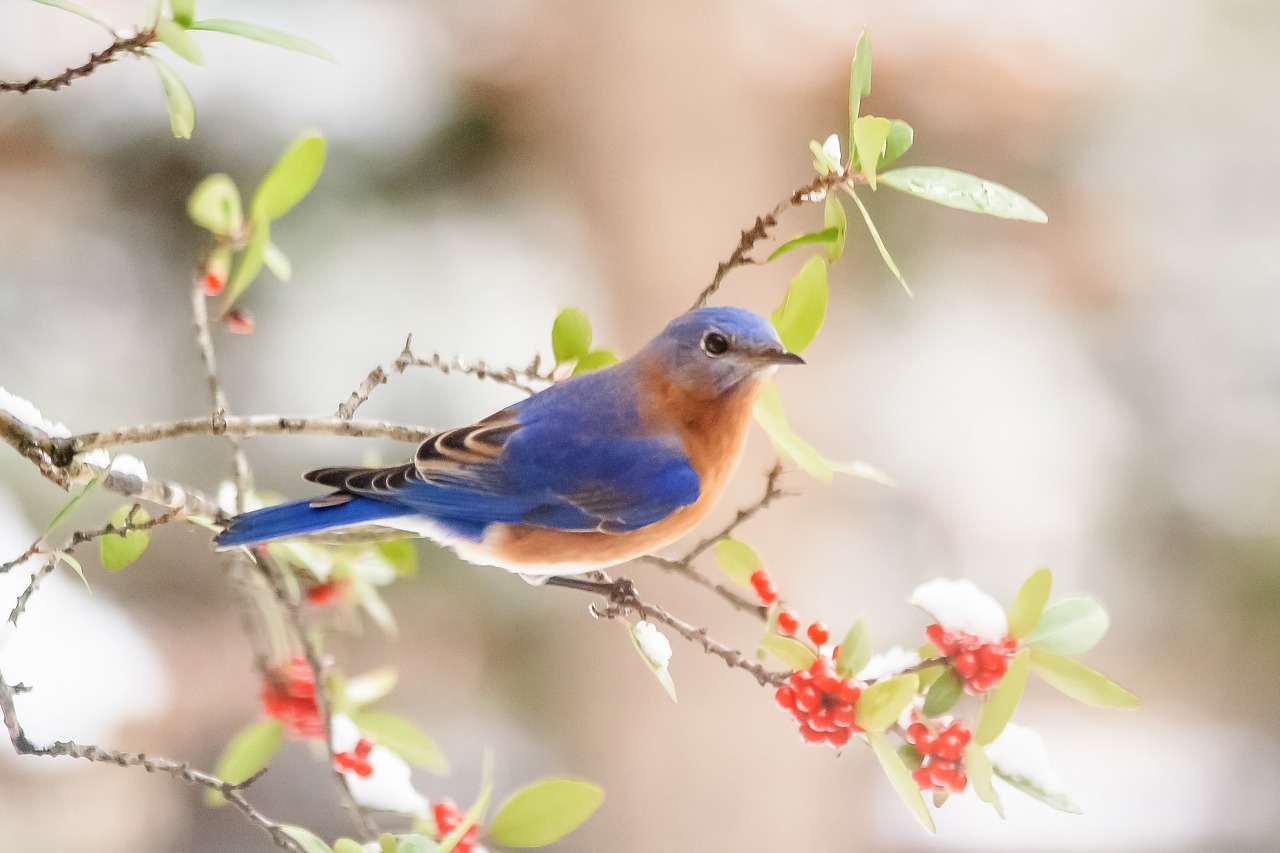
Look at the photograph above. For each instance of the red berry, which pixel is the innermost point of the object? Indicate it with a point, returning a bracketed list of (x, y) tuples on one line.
[(917, 730), (966, 664), (785, 697), (818, 633), (921, 776), (787, 623), (839, 737), (949, 746), (323, 594)]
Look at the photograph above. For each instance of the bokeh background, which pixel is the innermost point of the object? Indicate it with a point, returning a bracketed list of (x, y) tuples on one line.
[(1100, 395)]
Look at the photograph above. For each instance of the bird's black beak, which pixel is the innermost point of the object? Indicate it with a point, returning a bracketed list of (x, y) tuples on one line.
[(777, 355)]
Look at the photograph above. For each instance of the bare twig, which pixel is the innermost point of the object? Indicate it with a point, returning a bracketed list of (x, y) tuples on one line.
[(234, 792), (204, 341), (238, 426), (519, 379), (136, 45)]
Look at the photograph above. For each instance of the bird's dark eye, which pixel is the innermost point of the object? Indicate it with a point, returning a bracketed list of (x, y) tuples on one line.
[(714, 343)]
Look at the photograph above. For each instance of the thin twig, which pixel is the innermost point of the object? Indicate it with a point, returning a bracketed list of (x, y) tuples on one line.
[(136, 45), (519, 379), (233, 792), (239, 426), (204, 341)]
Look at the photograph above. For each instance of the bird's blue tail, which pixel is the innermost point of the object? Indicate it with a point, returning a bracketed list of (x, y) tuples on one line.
[(300, 517)]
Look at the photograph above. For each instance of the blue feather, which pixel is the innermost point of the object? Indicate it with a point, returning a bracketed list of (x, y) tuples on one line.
[(299, 517)]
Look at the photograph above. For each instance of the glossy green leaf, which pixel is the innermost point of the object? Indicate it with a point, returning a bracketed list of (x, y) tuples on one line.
[(347, 845), (804, 307), (771, 417), (899, 142), (963, 192), (875, 235), (659, 672), (369, 687), (738, 560), (1070, 627), (404, 739), (792, 652), (177, 100), (291, 178), (978, 768), (1028, 604), (943, 693), (70, 506), (73, 564), (184, 11), (250, 750), (77, 9), (882, 703), (1080, 682), (859, 79), (307, 840), (869, 136), (173, 36), (900, 778), (833, 216), (251, 260), (826, 235), (266, 35), (595, 360), (570, 335), (215, 205), (400, 554), (855, 650), (118, 551), (1057, 800), (277, 261), (544, 812), (999, 706)]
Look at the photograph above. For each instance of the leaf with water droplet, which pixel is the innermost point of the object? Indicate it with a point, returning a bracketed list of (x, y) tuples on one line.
[(963, 192)]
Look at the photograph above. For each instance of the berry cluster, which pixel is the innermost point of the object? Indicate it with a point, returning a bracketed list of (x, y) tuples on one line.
[(447, 818), (822, 703), (763, 585), (356, 759), (943, 754), (289, 695), (979, 663)]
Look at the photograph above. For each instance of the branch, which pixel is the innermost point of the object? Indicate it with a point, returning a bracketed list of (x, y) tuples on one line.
[(238, 426), (509, 376), (204, 341), (152, 764), (136, 45)]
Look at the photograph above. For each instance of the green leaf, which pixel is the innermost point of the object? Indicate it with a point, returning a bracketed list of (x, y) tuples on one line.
[(833, 216), (291, 178), (998, 709), (900, 778), (369, 687), (855, 650), (963, 192), (177, 39), (544, 812), (182, 113), (1028, 604), (387, 842), (215, 204), (943, 693), (251, 261), (869, 136), (70, 506), (118, 551), (899, 141), (595, 360), (74, 565), (792, 652), (1070, 627), (826, 235), (413, 843), (249, 751), (875, 235), (804, 307), (1059, 801), (401, 555), (570, 335), (404, 739), (77, 9), (266, 35), (347, 845), (184, 11), (308, 840), (859, 80), (659, 672), (978, 768), (738, 560), (277, 261), (1080, 682), (771, 417), (882, 703)]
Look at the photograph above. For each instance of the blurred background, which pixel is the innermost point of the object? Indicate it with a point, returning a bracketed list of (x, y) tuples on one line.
[(1100, 395)]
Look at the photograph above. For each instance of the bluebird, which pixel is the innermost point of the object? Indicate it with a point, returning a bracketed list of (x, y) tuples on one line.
[(588, 473)]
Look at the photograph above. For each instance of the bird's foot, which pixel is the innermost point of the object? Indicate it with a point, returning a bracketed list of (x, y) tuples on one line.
[(620, 593)]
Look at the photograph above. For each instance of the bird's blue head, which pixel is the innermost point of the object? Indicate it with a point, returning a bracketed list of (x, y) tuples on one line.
[(719, 348)]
